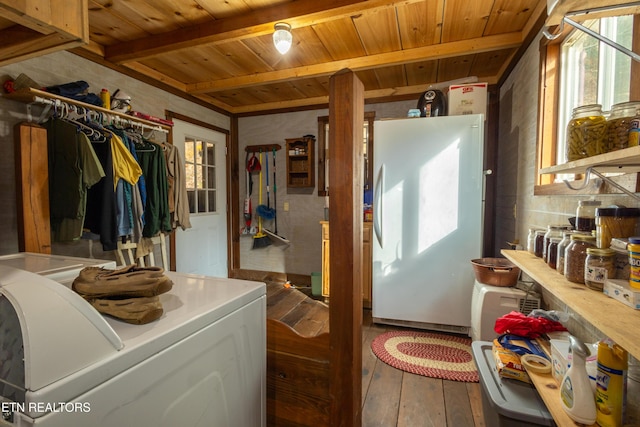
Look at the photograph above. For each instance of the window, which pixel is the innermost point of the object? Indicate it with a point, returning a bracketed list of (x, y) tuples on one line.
[(592, 72), (323, 153), (200, 165), (578, 69)]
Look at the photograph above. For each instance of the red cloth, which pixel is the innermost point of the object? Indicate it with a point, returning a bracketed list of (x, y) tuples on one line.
[(525, 326)]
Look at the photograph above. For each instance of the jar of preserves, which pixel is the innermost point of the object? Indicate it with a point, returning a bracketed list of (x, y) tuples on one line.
[(562, 245), (552, 251), (539, 243), (575, 256), (586, 132), (552, 231), (619, 124), (616, 221), (531, 240), (598, 267), (586, 215)]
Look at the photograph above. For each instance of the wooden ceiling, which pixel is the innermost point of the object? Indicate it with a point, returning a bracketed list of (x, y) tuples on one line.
[(222, 53)]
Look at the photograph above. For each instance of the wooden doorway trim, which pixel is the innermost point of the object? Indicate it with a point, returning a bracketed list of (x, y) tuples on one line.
[(346, 118), (232, 189)]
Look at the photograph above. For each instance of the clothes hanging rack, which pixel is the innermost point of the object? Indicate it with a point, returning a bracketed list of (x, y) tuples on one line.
[(35, 96)]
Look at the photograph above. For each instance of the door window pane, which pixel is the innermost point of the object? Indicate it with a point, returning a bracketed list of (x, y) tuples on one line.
[(200, 168)]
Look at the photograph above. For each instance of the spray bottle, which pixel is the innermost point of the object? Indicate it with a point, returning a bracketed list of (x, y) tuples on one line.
[(611, 384), (576, 395)]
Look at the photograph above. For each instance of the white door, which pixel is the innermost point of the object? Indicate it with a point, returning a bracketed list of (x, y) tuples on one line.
[(202, 249)]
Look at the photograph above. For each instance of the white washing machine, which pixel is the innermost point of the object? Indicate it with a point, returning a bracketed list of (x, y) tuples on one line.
[(489, 302), (203, 363)]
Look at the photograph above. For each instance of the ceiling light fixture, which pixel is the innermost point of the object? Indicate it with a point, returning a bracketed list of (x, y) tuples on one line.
[(282, 37)]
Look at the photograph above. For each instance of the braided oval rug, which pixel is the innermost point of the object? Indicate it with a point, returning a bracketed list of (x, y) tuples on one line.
[(433, 355)]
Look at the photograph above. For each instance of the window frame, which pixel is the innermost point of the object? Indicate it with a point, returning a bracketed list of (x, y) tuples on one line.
[(546, 146), (206, 178), (323, 152)]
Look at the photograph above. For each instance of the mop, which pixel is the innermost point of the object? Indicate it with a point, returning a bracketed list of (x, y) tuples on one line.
[(260, 240), (247, 201), (266, 212), (274, 234)]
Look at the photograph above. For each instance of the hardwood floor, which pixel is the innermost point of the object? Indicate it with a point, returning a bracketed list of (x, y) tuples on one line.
[(391, 397)]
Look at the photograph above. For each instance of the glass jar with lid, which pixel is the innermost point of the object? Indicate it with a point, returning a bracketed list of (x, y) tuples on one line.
[(575, 255), (538, 243), (586, 132), (619, 124), (552, 231), (598, 267), (531, 240), (562, 245), (586, 215), (552, 252)]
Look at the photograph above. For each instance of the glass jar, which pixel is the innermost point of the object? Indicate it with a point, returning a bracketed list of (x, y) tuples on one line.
[(552, 231), (539, 243), (586, 215), (531, 240), (619, 124), (586, 132), (575, 256), (598, 267), (615, 222), (552, 252), (566, 239)]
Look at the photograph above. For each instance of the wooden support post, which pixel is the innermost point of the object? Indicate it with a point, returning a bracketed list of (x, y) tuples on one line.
[(32, 188), (346, 115)]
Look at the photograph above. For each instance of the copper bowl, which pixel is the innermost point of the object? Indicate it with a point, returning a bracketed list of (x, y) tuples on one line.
[(496, 271)]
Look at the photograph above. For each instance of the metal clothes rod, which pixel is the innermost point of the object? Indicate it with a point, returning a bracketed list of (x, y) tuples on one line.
[(114, 118)]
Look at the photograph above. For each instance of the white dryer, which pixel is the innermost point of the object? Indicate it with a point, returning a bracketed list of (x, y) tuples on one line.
[(203, 363)]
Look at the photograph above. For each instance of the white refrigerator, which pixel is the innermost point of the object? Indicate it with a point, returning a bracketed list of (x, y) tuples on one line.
[(428, 220)]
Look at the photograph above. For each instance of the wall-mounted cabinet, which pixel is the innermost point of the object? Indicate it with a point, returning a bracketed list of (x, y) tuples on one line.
[(36, 27), (301, 172)]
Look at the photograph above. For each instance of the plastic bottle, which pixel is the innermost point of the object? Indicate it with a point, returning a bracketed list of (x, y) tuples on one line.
[(611, 384), (634, 262), (106, 99), (576, 395)]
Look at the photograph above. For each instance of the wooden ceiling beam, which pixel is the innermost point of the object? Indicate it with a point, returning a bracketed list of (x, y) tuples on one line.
[(298, 14), (319, 101), (426, 53)]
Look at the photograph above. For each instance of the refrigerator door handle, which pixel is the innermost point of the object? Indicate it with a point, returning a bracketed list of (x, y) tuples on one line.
[(377, 203)]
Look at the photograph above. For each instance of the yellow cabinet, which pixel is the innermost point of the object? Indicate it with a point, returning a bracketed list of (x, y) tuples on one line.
[(366, 262)]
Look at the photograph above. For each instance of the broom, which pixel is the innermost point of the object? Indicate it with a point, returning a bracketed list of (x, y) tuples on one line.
[(260, 240), (274, 234)]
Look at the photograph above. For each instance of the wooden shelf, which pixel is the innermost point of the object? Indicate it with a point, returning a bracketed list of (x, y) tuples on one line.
[(30, 95), (301, 171), (621, 161), (549, 391), (42, 26), (614, 319)]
